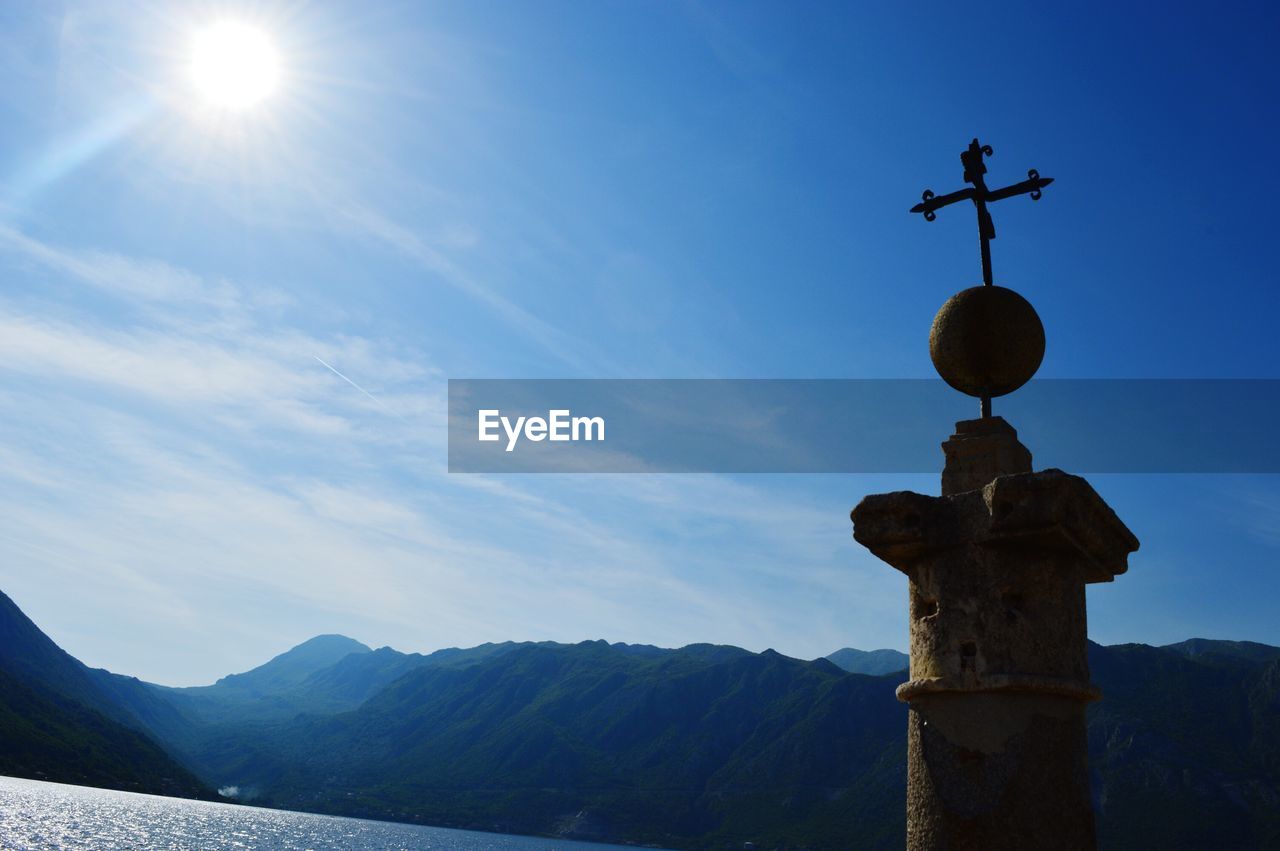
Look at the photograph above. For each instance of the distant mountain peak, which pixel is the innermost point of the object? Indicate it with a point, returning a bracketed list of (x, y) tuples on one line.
[(295, 665), (872, 662), (334, 641)]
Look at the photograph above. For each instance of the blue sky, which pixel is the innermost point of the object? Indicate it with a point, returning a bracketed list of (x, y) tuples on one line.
[(584, 190)]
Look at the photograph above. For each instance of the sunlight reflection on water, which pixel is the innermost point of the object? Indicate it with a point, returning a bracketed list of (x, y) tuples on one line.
[(38, 815)]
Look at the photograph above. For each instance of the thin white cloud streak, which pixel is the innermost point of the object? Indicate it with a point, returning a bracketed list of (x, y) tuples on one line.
[(371, 397), (148, 280), (220, 358), (170, 369), (574, 353)]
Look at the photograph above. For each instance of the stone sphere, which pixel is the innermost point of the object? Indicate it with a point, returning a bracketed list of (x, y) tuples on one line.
[(986, 341)]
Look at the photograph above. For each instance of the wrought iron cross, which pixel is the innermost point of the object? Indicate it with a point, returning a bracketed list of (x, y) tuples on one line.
[(980, 195)]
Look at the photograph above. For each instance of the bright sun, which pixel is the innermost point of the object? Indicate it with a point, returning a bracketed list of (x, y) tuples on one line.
[(233, 65)]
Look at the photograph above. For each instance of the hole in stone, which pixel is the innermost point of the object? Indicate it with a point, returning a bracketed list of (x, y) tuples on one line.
[(925, 607), (968, 656)]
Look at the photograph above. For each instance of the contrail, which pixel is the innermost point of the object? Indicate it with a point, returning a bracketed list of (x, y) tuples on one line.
[(374, 398)]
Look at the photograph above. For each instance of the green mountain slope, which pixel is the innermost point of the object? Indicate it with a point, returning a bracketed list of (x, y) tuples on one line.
[(707, 745), (47, 736), (271, 690), (326, 675), (687, 748), (61, 720), (1183, 751), (29, 654)]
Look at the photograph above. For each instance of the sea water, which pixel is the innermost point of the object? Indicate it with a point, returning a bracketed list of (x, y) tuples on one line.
[(39, 815)]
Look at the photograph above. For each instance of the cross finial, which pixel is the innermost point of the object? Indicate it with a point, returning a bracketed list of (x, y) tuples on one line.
[(971, 159), (980, 195)]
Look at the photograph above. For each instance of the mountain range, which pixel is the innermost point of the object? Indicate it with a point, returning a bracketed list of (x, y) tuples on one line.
[(705, 746)]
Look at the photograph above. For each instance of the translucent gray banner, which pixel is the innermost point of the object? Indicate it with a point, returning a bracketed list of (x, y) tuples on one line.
[(852, 425)]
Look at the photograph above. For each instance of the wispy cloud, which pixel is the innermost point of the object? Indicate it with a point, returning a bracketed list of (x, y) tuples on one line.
[(574, 353), (194, 468)]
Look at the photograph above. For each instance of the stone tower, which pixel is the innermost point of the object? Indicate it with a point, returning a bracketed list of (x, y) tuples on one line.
[(999, 679)]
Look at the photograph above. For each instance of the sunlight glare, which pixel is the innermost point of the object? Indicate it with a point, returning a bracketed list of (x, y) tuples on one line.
[(233, 65)]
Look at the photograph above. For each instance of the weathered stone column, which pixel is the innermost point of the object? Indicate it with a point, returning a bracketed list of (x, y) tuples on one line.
[(999, 671)]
